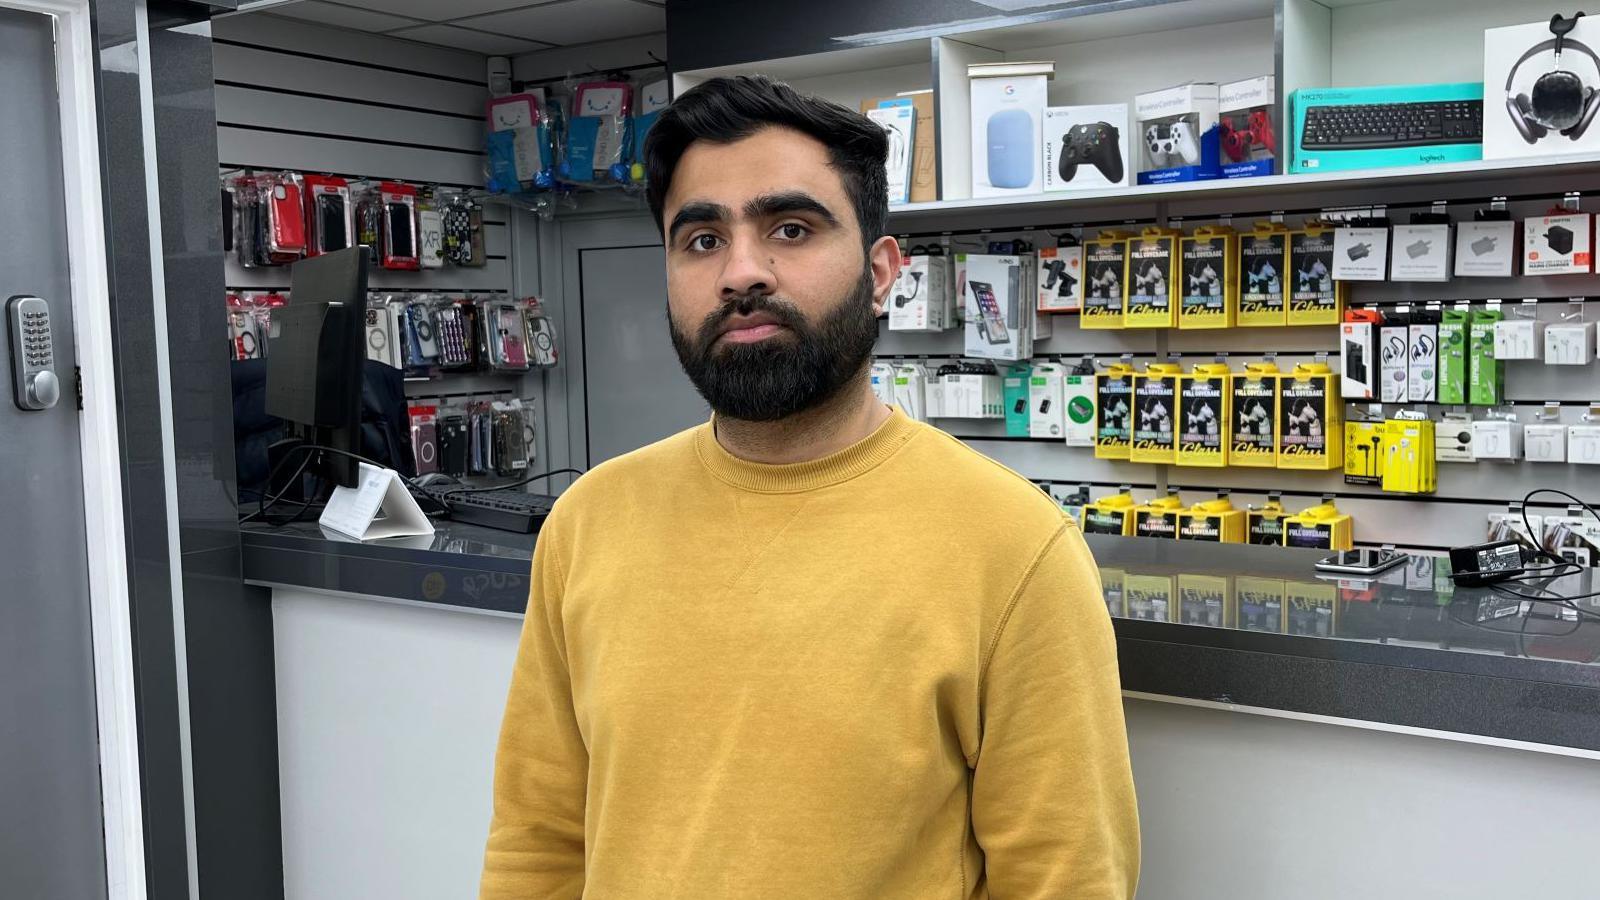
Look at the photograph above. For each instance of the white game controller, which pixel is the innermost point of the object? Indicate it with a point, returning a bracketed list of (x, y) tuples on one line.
[(1171, 144)]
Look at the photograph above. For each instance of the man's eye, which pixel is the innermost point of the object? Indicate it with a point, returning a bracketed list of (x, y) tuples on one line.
[(791, 231), (703, 242)]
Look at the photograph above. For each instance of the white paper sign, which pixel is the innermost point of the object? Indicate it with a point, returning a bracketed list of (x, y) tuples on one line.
[(378, 507)]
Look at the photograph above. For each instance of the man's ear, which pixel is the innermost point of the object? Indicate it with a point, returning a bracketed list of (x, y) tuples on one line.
[(883, 259)]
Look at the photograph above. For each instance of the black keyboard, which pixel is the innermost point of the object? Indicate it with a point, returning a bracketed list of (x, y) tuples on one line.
[(507, 510), (1393, 125)]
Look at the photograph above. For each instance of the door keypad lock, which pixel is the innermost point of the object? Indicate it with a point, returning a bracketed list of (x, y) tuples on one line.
[(33, 379)]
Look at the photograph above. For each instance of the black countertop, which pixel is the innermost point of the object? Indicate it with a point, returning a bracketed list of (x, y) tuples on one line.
[(1238, 624)]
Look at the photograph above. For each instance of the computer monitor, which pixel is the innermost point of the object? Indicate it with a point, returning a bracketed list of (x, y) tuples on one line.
[(315, 365)]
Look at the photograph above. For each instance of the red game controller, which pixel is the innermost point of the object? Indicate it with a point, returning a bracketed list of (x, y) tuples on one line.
[(1238, 142)]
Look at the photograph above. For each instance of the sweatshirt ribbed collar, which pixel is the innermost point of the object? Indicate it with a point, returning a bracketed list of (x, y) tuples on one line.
[(858, 458)]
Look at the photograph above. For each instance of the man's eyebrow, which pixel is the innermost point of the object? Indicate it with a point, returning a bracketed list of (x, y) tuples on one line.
[(694, 212), (768, 205)]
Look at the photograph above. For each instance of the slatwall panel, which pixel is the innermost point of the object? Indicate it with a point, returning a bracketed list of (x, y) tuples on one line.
[(1467, 491)]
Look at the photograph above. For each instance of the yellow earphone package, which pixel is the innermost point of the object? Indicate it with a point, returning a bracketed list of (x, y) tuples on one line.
[(1208, 262), (1253, 419), (1320, 527), (1409, 464), (1148, 597), (1113, 413), (1212, 521), (1263, 271), (1155, 401), (1310, 419), (1204, 600), (1315, 298), (1105, 264), (1363, 452), (1150, 279), (1206, 399), (1109, 515), (1158, 518), (1265, 525)]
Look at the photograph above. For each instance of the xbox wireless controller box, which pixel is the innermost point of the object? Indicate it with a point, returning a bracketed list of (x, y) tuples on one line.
[(1177, 134), (1247, 127), (1085, 147)]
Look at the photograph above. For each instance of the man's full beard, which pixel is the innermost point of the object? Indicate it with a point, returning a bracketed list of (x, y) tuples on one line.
[(785, 374)]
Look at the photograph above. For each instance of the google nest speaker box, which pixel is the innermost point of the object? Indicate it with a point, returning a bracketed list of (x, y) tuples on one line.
[(1008, 102)]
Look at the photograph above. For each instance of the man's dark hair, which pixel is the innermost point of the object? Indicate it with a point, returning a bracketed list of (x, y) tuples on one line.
[(724, 110)]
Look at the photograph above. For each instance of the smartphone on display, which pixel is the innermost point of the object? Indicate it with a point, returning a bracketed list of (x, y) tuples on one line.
[(988, 307), (1365, 561)]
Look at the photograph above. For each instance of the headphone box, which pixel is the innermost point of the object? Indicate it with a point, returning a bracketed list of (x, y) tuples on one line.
[(1149, 597), (1016, 387), (1360, 254), (1250, 108), (1205, 395), (1497, 439), (1545, 442), (1078, 398), (1263, 264), (1422, 382), (1155, 411), (1209, 278), (1422, 253), (1453, 356), (1114, 412), (1569, 344), (1486, 384), (1485, 249), (1358, 376), (1060, 279), (1204, 600), (1583, 444), (1112, 168), (1105, 263), (1315, 298), (1253, 424), (1452, 439), (1047, 408), (1558, 245), (1394, 370), (921, 300), (1363, 452), (1150, 280), (1518, 62), (1258, 603), (1007, 102), (1408, 463), (1178, 135), (1519, 339), (1310, 419)]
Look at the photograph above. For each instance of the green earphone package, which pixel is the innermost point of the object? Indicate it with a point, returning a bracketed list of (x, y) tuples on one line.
[(1453, 355), (1487, 381)]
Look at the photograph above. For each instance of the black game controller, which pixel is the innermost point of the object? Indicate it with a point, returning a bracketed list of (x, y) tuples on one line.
[(1095, 145)]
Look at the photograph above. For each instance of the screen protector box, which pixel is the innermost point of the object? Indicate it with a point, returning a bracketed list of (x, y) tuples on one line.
[(1515, 59), (1324, 150), (1177, 134), (1248, 130), (1008, 102)]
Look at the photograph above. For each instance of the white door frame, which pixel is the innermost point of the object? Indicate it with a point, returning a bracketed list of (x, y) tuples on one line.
[(110, 618)]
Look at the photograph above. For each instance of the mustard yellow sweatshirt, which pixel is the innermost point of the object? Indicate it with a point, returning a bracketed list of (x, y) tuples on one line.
[(887, 674)]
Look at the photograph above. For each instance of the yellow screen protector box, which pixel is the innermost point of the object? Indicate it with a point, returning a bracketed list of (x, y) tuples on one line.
[(1313, 608), (1320, 527), (1205, 396), (1109, 515), (1263, 272), (1105, 265), (1212, 521), (1264, 526), (1310, 418), (1253, 420), (1148, 597), (1158, 518), (1203, 600), (1155, 400), (1315, 298), (1113, 426), (1151, 279), (1258, 603), (1208, 261)]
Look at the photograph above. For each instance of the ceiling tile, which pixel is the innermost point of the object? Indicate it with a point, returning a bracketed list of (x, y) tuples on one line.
[(576, 21), (341, 16), (467, 39), (437, 10)]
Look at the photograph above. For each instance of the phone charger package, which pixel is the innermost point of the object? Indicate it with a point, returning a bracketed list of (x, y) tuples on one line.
[(1583, 444), (920, 298), (1421, 253), (1177, 134), (1486, 249), (1008, 102), (1422, 384), (995, 327), (1060, 277), (1078, 396), (1558, 245), (1519, 339), (972, 396), (1047, 417), (1546, 443), (1497, 439), (1248, 136), (1452, 439), (1085, 147), (1569, 344), (1360, 254)]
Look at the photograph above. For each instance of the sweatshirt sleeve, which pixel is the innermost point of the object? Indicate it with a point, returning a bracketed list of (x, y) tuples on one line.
[(536, 836), (1052, 794)]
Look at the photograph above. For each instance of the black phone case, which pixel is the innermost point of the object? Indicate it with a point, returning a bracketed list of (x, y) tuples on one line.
[(453, 445)]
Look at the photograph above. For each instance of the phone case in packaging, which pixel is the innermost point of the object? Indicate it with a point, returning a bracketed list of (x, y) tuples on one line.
[(541, 333), (398, 211), (286, 223), (453, 335), (425, 437), (330, 215), (504, 335), (511, 438), (462, 223), (430, 237)]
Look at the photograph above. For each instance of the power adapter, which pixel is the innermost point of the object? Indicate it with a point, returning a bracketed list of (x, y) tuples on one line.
[(1480, 564)]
